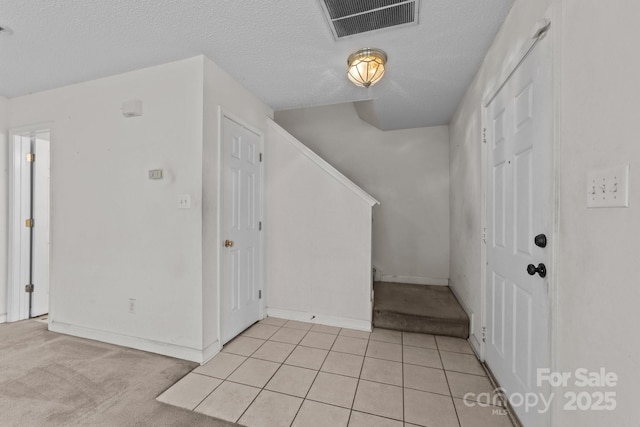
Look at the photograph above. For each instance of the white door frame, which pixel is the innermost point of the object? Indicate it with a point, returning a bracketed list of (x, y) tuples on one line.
[(551, 16), (222, 113), (16, 300)]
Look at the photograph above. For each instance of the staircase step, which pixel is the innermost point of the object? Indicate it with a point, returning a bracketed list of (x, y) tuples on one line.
[(426, 309)]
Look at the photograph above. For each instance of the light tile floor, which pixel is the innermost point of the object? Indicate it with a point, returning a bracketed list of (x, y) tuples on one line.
[(289, 373)]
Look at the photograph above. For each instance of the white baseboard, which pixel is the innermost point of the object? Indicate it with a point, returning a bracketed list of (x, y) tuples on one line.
[(209, 352), (473, 338), (340, 322), (3, 318), (377, 276), (152, 346), (464, 304), (477, 347), (415, 280)]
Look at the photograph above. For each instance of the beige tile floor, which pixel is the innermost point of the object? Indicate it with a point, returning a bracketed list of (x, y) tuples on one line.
[(288, 373)]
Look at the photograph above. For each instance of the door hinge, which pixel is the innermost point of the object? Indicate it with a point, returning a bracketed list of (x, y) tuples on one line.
[(484, 135), (28, 288), (29, 223), (260, 294), (261, 157), (484, 334), (260, 226), (484, 235), (31, 157)]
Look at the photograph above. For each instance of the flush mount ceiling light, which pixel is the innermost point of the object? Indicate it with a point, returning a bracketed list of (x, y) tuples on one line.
[(366, 66)]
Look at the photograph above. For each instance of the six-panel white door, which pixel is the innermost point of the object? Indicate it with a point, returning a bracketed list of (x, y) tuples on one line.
[(242, 189), (519, 138)]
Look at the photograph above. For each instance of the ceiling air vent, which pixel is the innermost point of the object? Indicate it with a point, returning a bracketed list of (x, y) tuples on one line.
[(351, 17)]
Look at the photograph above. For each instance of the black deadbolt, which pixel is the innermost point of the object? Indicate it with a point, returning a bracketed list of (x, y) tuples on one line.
[(540, 241), (541, 270)]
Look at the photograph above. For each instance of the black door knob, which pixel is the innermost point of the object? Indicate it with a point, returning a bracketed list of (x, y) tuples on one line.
[(540, 240), (540, 269)]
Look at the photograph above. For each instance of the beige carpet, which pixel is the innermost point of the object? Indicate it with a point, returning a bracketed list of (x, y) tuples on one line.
[(49, 379), (425, 309)]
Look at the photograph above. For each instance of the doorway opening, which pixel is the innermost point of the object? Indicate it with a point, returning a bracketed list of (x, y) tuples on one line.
[(29, 226)]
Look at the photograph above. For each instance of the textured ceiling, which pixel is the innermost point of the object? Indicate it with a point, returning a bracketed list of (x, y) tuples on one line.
[(281, 50)]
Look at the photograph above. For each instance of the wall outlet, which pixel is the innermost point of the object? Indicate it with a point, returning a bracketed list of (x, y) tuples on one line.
[(132, 306), (155, 174)]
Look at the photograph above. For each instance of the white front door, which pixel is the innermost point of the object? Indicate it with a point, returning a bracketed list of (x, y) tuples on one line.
[(519, 208), (242, 189), (29, 247)]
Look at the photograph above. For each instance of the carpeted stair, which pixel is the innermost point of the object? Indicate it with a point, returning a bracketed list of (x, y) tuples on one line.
[(419, 308)]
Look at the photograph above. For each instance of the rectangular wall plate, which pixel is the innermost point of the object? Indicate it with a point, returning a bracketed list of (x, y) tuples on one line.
[(155, 174), (184, 201), (608, 188)]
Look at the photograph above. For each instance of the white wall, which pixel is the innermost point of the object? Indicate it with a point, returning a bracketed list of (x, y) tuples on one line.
[(219, 90), (116, 234), (4, 198), (465, 158), (318, 238), (406, 170), (596, 291), (598, 286)]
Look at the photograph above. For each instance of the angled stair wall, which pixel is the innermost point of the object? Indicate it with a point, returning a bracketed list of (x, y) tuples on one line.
[(317, 238)]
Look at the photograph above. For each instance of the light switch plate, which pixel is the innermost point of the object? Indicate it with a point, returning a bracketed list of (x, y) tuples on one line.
[(608, 188), (184, 201)]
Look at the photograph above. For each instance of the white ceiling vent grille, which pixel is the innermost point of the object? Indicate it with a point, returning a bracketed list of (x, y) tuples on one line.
[(351, 17)]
